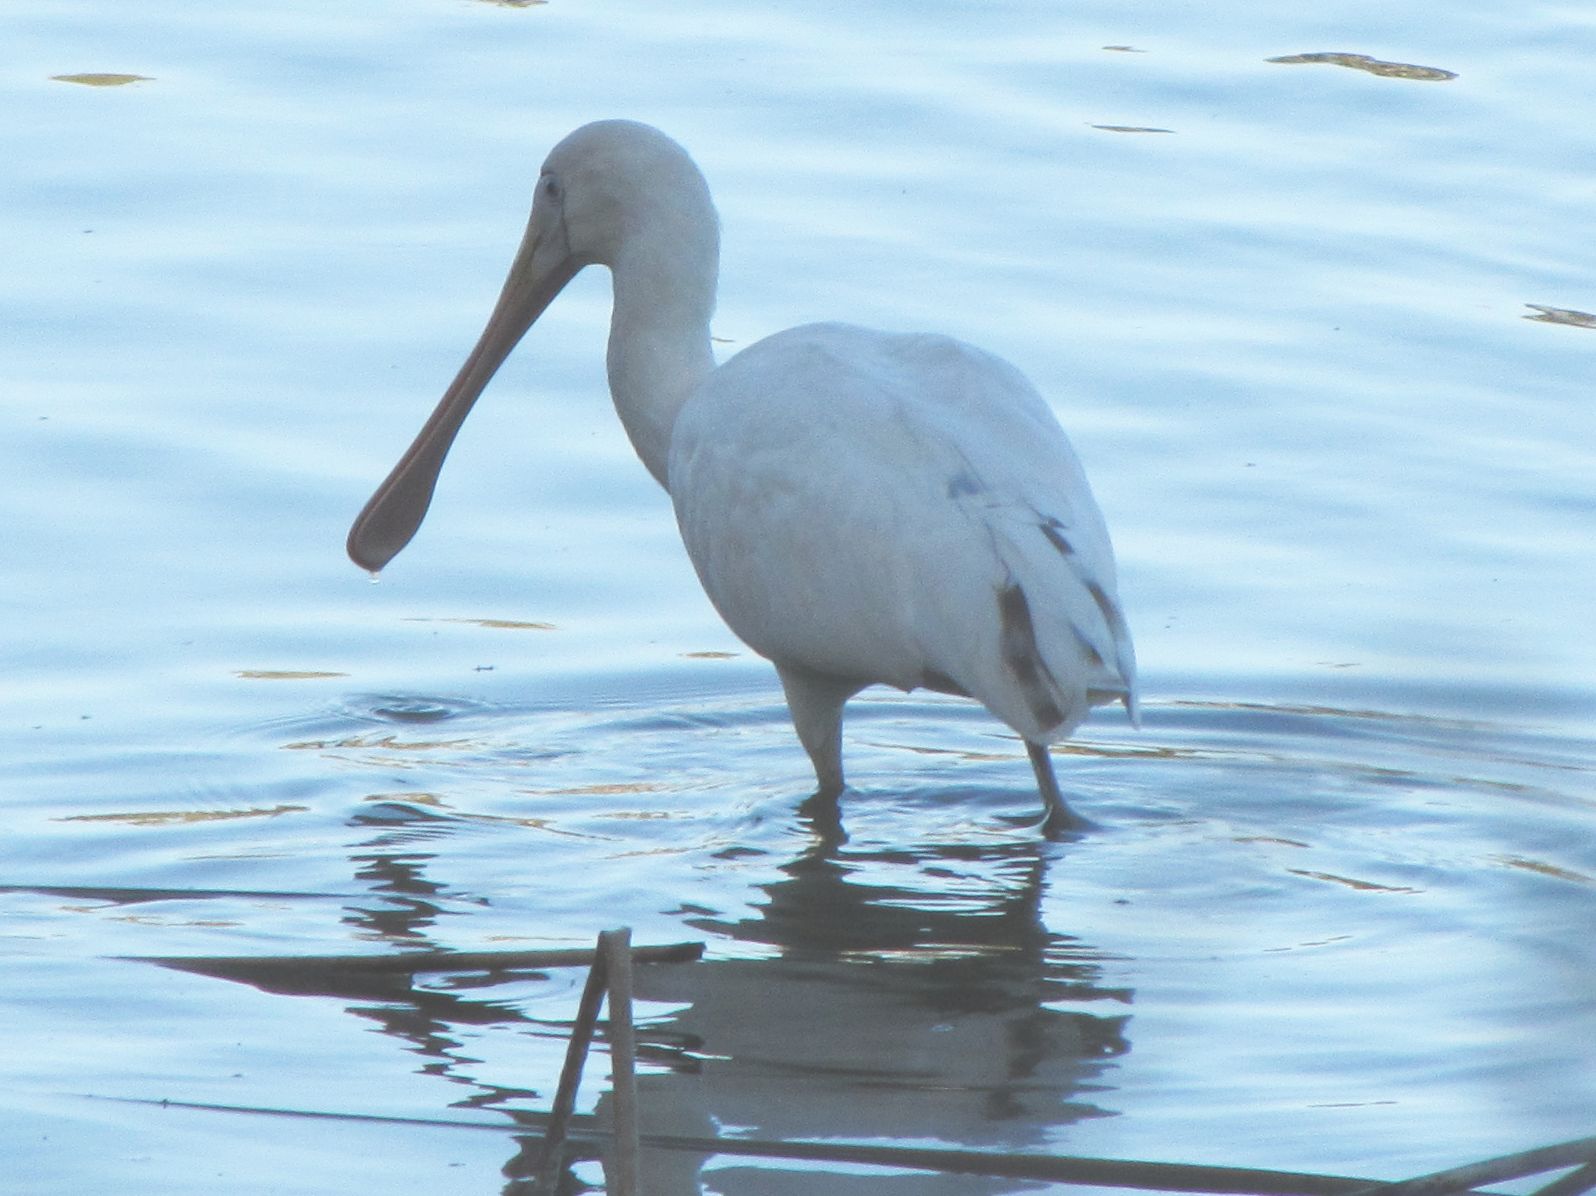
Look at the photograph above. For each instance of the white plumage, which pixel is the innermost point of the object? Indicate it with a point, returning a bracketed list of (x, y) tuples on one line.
[(862, 507)]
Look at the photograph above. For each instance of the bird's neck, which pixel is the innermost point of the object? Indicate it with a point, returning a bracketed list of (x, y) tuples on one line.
[(659, 347)]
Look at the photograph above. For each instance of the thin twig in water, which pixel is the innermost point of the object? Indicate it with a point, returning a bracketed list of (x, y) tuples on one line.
[(1582, 1179), (1492, 1171), (571, 1073), (1118, 1173), (617, 948)]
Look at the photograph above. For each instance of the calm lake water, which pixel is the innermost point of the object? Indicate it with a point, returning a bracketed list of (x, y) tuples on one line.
[(1315, 329)]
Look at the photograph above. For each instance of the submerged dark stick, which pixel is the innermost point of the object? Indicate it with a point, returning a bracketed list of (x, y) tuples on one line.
[(1117, 1173), (571, 1073), (1503, 1167), (617, 948), (410, 962), (1582, 1179)]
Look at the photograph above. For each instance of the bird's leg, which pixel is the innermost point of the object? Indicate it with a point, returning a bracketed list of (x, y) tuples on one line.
[(1059, 821), (815, 701)]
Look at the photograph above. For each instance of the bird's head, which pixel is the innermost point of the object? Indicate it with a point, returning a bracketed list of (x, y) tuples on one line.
[(612, 192)]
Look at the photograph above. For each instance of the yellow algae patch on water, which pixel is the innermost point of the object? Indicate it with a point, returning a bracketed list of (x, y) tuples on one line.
[(101, 79), (284, 675), (1540, 867), (1269, 839), (1375, 66), (1351, 882), (491, 624), (390, 743), (612, 789), (169, 817)]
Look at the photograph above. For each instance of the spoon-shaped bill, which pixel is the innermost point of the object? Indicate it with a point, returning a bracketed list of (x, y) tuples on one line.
[(394, 513)]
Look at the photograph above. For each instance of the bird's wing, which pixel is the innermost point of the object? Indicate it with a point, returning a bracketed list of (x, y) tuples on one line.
[(906, 510)]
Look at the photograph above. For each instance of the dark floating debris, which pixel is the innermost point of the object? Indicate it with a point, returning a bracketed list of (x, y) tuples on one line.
[(412, 963), (1561, 315), (126, 895), (392, 974), (1375, 66)]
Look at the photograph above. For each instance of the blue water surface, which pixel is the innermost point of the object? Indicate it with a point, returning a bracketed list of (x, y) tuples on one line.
[(1318, 330)]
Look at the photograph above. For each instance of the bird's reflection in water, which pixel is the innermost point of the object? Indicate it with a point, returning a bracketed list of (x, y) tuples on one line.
[(894, 995), (903, 994)]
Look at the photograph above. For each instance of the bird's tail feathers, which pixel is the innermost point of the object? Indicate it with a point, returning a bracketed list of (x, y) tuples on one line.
[(1077, 632)]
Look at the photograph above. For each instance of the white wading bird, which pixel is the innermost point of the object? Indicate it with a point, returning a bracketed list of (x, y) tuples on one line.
[(862, 507)]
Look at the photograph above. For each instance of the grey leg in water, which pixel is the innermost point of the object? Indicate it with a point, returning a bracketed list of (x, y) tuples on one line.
[(1059, 820)]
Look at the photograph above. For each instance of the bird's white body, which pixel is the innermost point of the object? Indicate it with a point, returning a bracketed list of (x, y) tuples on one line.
[(856, 501), (862, 507)]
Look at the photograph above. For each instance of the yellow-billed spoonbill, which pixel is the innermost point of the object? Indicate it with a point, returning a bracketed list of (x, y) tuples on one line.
[(862, 507)]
